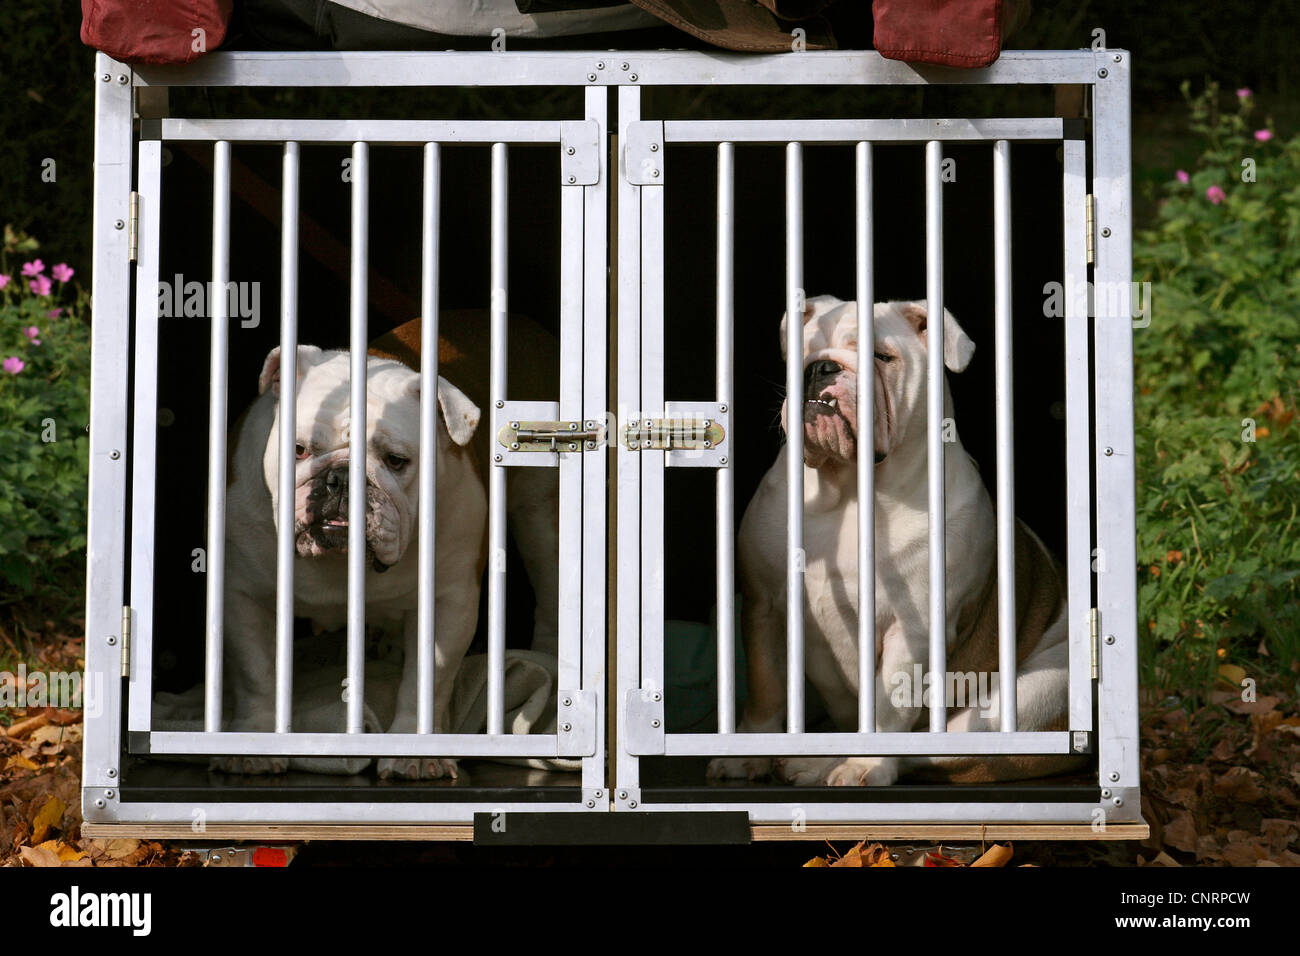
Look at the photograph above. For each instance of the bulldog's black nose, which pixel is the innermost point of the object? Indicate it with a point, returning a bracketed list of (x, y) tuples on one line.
[(336, 480), (816, 374)]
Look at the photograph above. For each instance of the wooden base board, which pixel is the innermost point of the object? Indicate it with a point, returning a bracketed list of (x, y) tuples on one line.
[(935, 832)]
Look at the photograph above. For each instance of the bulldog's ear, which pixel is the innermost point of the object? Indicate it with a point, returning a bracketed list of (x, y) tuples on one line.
[(957, 345), (460, 414), (813, 308), (308, 355)]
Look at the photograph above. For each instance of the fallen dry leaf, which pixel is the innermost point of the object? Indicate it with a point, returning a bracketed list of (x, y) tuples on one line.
[(1244, 853), (65, 853), (118, 849), (1233, 674), (1261, 705), (1180, 832), (49, 816), (1239, 783), (1279, 833), (39, 856), (852, 858), (22, 763), (51, 739), (995, 856), (22, 728)]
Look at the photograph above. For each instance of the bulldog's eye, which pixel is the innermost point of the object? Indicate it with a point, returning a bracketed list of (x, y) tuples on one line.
[(396, 462), (884, 356), (300, 451)]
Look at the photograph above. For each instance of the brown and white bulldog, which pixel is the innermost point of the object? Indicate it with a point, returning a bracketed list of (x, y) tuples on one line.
[(831, 435)]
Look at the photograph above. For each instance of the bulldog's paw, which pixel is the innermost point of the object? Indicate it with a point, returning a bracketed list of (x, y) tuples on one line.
[(418, 768), (804, 771), (738, 768), (840, 771), (249, 765)]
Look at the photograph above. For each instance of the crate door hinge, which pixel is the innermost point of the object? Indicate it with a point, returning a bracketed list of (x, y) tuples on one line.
[(126, 641), (133, 228), (643, 158), (1094, 627), (580, 152), (1089, 229)]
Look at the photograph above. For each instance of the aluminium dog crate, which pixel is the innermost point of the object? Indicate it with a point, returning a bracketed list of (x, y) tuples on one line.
[(615, 181)]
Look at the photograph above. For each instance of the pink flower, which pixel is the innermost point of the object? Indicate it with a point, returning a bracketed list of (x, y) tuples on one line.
[(62, 272), (1215, 194), (33, 268), (1263, 135), (54, 313), (1243, 92), (31, 332), (4, 280), (13, 365), (41, 285), (1182, 177)]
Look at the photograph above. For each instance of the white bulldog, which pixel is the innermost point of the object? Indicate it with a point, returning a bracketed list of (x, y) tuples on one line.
[(902, 565), (321, 535)]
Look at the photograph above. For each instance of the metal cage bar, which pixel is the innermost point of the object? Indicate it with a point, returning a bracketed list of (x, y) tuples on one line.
[(359, 339), (653, 479), (629, 568), (596, 319), (569, 558), (794, 311), (1003, 402), (726, 510), (1078, 437), (145, 440), (864, 286), (497, 476), (285, 505), (220, 339), (652, 68), (935, 388), (430, 224), (1117, 689), (885, 131)]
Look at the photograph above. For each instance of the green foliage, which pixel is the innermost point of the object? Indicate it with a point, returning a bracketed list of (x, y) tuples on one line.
[(44, 408), (1218, 376)]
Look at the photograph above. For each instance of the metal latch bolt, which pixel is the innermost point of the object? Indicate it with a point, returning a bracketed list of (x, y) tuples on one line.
[(672, 434), (551, 436)]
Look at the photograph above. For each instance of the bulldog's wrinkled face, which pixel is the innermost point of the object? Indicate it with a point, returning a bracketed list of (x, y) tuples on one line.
[(322, 452), (831, 367)]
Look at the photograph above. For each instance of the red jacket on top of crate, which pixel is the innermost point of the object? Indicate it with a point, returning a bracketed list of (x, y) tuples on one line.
[(960, 33)]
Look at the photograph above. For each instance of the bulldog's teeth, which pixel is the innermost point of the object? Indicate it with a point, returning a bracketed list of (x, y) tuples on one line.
[(834, 403)]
